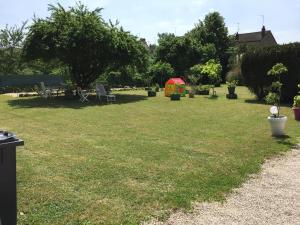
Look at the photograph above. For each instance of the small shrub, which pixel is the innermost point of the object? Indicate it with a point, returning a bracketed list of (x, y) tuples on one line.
[(232, 84), (274, 96), (157, 87), (297, 101), (235, 74), (212, 69), (193, 82), (151, 93), (204, 87), (203, 90)]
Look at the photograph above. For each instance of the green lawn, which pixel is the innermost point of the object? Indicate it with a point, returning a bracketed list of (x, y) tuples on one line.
[(123, 163)]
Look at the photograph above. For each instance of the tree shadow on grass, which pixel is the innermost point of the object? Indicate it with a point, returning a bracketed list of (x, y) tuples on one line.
[(255, 101), (62, 102)]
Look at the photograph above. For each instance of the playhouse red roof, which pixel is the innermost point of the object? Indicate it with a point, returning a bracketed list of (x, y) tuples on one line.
[(175, 81)]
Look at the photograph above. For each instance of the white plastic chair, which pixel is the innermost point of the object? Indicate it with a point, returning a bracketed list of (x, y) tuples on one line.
[(101, 92)]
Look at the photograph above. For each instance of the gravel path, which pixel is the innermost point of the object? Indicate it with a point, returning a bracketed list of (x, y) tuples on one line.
[(272, 197)]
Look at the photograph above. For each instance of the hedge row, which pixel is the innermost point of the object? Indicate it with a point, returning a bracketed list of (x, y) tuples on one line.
[(256, 62), (20, 83)]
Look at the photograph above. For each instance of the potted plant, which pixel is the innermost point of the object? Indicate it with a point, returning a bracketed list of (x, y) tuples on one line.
[(151, 93), (296, 106), (193, 80), (148, 81), (231, 90), (276, 120), (157, 87), (192, 93), (175, 96), (212, 69), (231, 87)]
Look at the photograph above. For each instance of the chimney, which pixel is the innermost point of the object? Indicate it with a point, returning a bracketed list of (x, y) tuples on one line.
[(237, 36), (263, 31)]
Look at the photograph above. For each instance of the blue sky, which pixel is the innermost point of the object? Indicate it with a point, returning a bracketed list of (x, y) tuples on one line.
[(147, 18)]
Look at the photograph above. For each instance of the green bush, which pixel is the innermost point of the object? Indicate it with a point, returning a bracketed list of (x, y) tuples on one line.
[(204, 87), (161, 72), (25, 83), (151, 93), (257, 61), (232, 84)]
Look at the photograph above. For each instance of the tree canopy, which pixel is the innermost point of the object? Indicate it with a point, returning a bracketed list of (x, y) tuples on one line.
[(213, 31), (11, 43), (84, 42), (78, 43), (212, 70), (180, 52), (161, 72), (183, 52), (208, 40)]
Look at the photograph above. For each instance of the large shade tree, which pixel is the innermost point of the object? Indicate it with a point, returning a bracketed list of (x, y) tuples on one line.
[(83, 41), (180, 52), (11, 43), (214, 31), (183, 52)]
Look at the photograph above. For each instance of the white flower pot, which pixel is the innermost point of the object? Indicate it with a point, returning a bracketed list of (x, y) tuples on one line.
[(277, 125)]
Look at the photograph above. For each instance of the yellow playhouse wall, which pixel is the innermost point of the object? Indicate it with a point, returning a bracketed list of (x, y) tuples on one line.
[(170, 89)]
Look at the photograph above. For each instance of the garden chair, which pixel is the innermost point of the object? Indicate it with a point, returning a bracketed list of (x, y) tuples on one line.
[(83, 94), (101, 92), (43, 92), (38, 90)]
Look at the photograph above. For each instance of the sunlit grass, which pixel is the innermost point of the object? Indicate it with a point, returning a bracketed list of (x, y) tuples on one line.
[(123, 163)]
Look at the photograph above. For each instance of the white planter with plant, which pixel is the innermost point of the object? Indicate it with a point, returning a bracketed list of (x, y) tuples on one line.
[(276, 120), (193, 81)]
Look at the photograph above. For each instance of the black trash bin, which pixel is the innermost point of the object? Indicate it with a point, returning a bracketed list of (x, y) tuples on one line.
[(8, 188)]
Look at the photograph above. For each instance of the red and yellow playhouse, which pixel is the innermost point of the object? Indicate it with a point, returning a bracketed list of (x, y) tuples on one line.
[(175, 86)]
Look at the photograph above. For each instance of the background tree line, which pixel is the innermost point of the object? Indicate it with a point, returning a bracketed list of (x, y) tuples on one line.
[(78, 44)]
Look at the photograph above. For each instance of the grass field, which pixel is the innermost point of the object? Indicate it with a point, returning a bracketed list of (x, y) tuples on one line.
[(124, 163)]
